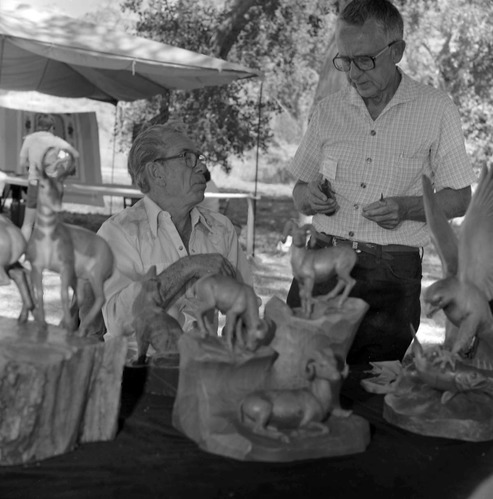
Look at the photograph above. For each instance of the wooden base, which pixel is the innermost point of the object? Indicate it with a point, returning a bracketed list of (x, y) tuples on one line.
[(296, 337), (349, 435), (418, 408), (56, 390)]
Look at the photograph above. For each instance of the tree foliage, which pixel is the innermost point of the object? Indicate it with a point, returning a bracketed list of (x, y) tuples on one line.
[(449, 45), (284, 40)]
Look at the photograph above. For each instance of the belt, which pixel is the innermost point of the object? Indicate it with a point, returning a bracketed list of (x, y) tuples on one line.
[(371, 248)]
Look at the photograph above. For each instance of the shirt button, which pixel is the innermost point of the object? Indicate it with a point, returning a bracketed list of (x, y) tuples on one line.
[(369, 160), (373, 133), (180, 248), (350, 233), (356, 206), (363, 185)]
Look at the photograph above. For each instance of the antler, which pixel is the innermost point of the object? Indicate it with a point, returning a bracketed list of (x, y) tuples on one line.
[(289, 227)]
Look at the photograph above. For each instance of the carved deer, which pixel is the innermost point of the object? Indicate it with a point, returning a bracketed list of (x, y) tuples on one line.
[(303, 408), (238, 302), (310, 266), (50, 247), (12, 246)]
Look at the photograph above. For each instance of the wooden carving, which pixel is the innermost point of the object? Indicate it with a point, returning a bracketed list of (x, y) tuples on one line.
[(311, 266)]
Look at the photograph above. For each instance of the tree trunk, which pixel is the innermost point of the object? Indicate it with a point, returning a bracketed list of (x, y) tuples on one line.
[(56, 391), (236, 19)]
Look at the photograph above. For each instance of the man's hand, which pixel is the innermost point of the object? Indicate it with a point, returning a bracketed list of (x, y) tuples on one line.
[(212, 263), (388, 213), (309, 199)]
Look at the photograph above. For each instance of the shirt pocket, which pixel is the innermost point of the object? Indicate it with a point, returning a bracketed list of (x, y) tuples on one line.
[(406, 174)]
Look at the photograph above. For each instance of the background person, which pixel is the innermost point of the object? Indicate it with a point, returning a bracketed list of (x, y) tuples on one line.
[(372, 141), (31, 155)]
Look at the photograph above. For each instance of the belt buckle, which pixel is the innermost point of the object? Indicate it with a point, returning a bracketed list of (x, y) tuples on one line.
[(354, 245)]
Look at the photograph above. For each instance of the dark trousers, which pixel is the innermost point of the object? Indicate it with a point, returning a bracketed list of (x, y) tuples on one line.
[(391, 285)]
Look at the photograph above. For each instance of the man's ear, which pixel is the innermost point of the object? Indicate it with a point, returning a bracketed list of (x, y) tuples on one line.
[(154, 172), (398, 51)]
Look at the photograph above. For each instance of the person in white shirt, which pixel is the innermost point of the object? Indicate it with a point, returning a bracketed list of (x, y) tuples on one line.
[(167, 228), (43, 143), (370, 143)]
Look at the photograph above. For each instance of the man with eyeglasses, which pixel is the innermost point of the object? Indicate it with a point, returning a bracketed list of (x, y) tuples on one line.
[(359, 168), (167, 228)]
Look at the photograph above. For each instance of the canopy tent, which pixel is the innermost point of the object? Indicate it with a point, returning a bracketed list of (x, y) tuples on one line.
[(58, 55)]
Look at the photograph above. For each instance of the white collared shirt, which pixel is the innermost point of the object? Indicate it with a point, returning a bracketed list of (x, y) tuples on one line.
[(418, 132), (144, 235)]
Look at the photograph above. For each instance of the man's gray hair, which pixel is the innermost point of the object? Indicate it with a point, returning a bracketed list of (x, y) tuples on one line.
[(151, 143), (386, 15)]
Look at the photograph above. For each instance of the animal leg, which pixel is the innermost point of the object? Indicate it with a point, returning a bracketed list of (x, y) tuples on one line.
[(201, 313), (18, 274), (97, 297), (229, 328), (37, 283), (320, 428), (67, 280), (307, 296)]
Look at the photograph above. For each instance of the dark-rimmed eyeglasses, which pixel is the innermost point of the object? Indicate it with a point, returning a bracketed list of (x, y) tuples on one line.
[(362, 62), (191, 158)]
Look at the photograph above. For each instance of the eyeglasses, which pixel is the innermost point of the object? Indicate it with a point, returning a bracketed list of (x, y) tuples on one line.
[(362, 62), (191, 158)]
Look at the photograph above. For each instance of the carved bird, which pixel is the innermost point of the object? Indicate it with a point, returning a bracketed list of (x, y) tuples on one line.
[(467, 262)]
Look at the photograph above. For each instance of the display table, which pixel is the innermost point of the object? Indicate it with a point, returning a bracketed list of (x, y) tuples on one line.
[(149, 458)]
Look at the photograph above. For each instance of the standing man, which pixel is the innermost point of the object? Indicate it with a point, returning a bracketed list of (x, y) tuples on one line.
[(372, 141), (167, 228), (34, 149)]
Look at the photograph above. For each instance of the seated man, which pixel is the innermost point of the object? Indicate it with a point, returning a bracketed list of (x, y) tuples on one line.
[(167, 229)]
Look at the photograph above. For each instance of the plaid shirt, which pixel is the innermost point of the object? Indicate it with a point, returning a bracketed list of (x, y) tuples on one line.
[(418, 132)]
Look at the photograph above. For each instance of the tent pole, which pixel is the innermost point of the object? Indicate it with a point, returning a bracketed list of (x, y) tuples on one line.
[(113, 158), (256, 161)]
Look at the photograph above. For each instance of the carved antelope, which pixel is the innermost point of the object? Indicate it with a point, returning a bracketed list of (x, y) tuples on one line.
[(238, 302), (311, 266), (12, 246), (78, 254), (50, 247)]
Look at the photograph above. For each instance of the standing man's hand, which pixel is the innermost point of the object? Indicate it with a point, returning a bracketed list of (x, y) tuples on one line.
[(310, 199), (388, 213)]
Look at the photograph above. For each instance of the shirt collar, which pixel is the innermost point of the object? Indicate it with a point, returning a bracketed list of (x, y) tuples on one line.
[(406, 91), (154, 212)]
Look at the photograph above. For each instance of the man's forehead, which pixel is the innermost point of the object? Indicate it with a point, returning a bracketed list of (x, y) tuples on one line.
[(368, 34), (178, 143)]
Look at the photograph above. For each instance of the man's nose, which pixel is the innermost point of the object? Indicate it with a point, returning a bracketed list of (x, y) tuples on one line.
[(354, 71)]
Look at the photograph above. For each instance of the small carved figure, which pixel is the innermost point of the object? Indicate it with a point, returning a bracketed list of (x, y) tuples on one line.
[(93, 260), (240, 305), (467, 287), (451, 380), (50, 247), (267, 411), (152, 324), (12, 246), (311, 266)]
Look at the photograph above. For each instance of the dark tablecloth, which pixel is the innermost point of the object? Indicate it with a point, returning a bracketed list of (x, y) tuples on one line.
[(149, 458)]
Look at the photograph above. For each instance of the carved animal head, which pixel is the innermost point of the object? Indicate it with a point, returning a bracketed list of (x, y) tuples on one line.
[(59, 161), (325, 365), (50, 191), (263, 334), (289, 228), (439, 295), (149, 295), (299, 234)]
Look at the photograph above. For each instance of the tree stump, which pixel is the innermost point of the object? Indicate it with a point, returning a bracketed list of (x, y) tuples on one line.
[(56, 390)]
